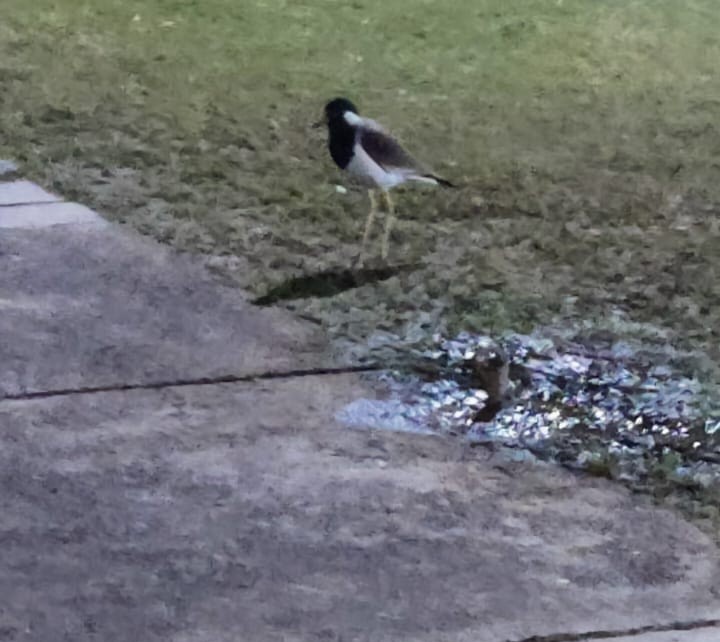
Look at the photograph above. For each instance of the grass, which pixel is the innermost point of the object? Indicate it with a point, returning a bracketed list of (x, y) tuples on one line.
[(584, 135)]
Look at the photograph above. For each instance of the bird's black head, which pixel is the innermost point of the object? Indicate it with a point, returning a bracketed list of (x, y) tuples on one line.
[(337, 107), (341, 137)]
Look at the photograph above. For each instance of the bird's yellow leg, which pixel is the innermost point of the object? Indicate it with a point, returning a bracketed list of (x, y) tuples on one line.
[(368, 225), (389, 222)]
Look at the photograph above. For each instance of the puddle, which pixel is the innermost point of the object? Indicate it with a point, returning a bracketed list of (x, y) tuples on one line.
[(385, 415), (591, 407)]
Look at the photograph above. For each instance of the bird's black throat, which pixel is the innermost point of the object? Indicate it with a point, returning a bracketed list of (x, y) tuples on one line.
[(341, 140)]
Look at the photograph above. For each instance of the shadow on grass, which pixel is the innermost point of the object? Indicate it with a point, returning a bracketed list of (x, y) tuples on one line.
[(330, 282)]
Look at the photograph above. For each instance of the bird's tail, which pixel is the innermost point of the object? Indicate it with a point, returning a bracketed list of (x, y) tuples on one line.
[(431, 178)]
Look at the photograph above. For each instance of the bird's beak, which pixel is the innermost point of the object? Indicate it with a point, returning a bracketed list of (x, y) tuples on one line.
[(318, 124)]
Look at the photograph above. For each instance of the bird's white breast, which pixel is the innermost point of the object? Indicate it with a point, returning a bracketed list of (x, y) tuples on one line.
[(367, 170)]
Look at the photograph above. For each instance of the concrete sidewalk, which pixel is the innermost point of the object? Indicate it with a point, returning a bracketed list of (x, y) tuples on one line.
[(244, 511)]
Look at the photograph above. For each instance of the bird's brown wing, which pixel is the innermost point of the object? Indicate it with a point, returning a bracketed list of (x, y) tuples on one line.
[(385, 150)]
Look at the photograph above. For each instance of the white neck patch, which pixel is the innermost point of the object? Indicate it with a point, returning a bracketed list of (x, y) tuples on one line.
[(351, 118)]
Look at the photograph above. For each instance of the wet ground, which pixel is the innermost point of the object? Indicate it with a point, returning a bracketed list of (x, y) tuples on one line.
[(607, 407)]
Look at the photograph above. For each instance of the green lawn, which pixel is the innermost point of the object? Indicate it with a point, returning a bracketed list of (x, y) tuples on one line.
[(584, 135)]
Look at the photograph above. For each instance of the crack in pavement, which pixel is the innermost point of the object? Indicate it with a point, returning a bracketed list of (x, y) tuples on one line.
[(183, 383), (693, 625), (29, 204)]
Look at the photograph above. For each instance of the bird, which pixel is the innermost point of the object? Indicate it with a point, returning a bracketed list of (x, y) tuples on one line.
[(374, 158)]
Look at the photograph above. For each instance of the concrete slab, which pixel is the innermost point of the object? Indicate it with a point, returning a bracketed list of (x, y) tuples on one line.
[(48, 215), (86, 306), (24, 192), (242, 512)]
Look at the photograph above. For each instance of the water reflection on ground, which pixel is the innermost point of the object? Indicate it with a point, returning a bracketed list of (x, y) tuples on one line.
[(607, 406)]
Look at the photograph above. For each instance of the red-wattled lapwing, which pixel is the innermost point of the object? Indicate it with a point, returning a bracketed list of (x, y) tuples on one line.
[(367, 152)]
